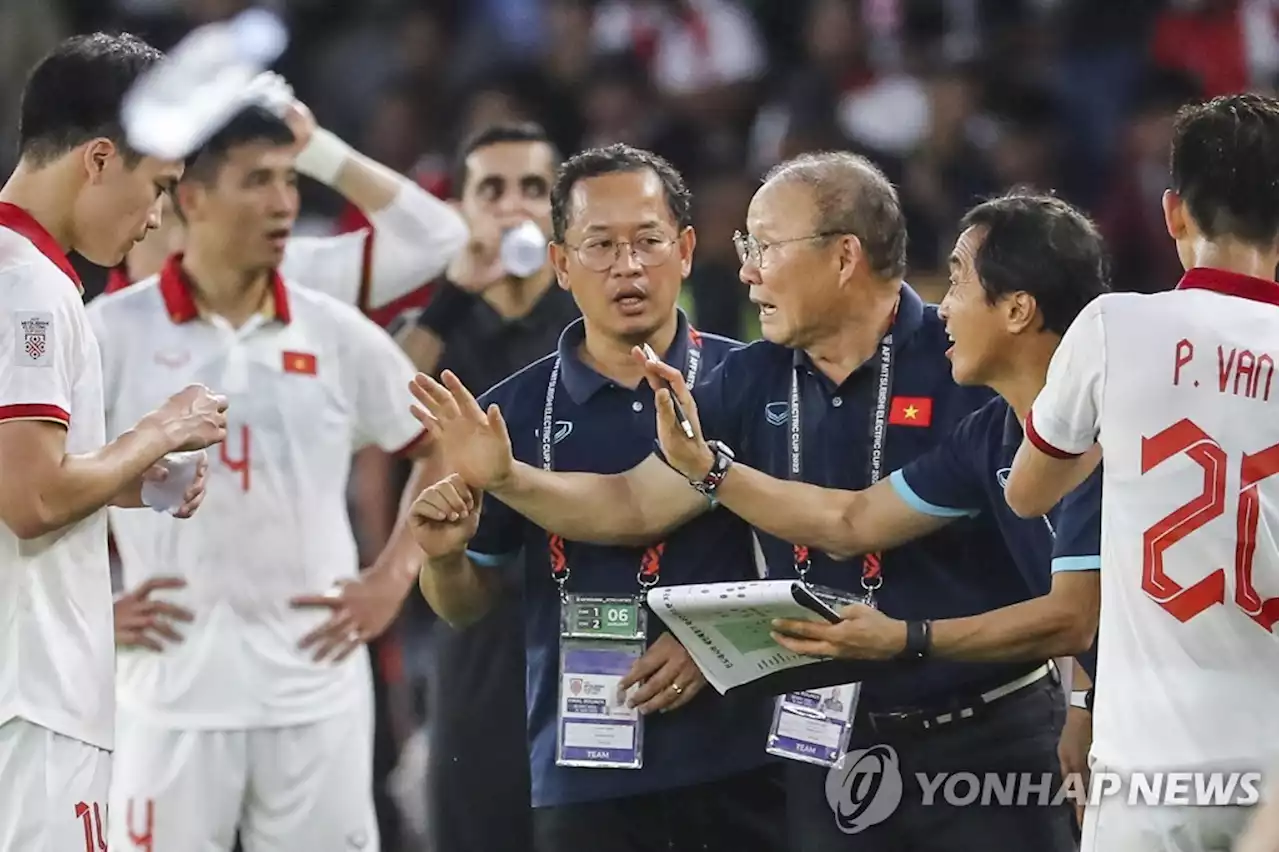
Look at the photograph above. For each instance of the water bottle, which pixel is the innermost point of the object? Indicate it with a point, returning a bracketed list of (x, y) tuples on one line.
[(523, 250)]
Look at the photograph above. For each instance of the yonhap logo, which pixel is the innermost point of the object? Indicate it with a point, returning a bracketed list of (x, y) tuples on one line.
[(1002, 476), (776, 413), (864, 788)]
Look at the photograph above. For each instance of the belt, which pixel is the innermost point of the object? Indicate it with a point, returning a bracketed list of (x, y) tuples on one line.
[(918, 720)]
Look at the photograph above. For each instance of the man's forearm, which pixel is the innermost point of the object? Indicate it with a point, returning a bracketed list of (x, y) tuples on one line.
[(580, 506), (794, 511), (1030, 630), (457, 590), (38, 498), (401, 558)]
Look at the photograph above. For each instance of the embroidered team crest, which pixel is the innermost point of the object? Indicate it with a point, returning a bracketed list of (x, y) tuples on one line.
[(35, 338), (776, 413), (564, 428)]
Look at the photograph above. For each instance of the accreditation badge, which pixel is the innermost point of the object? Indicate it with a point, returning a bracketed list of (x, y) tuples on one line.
[(814, 726), (601, 637)]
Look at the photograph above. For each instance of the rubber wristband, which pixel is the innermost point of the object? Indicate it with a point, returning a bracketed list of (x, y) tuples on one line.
[(323, 157)]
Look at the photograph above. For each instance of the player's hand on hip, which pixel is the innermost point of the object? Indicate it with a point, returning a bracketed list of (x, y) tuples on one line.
[(193, 418), (1073, 749), (360, 610), (473, 442), (690, 456), (667, 676), (144, 622), (863, 633), (445, 516)]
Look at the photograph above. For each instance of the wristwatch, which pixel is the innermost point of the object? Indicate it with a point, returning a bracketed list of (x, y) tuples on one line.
[(1082, 699), (919, 640), (720, 464)]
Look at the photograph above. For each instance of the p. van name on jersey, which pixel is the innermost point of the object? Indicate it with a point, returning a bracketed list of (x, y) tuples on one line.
[(1240, 372)]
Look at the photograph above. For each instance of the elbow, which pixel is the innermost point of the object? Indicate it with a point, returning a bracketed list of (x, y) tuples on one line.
[(32, 518), (1073, 634), (1022, 500)]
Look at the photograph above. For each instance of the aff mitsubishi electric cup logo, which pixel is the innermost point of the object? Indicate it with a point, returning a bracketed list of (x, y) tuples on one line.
[(864, 788)]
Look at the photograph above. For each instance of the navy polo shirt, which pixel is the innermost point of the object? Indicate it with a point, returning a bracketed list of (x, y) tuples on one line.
[(604, 428), (966, 474), (963, 569)]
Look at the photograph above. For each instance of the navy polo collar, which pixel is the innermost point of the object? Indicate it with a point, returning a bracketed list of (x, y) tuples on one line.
[(909, 317), (582, 382)]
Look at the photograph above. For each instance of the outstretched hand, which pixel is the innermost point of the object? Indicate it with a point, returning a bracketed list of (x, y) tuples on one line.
[(690, 456), (474, 443)]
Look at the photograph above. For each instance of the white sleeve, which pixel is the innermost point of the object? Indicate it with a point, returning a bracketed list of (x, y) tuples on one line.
[(379, 381), (411, 241), (1066, 416), (38, 347)]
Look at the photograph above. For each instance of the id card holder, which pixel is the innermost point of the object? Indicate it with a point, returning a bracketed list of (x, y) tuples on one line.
[(814, 726), (601, 637)]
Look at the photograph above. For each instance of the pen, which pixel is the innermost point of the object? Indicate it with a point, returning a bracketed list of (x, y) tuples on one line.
[(680, 415)]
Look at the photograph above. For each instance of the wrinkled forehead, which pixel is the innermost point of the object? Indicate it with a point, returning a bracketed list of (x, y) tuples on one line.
[(779, 208)]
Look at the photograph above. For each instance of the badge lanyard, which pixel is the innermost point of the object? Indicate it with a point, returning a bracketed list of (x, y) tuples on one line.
[(601, 637), (814, 726)]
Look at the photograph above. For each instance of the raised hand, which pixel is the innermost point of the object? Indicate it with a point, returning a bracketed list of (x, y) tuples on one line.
[(690, 456), (474, 443), (445, 517), (192, 419)]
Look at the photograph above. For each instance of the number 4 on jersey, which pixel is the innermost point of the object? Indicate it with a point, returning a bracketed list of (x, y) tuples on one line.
[(1184, 603), (236, 465)]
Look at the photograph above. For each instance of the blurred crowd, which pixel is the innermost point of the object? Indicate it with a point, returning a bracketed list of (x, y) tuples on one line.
[(956, 99)]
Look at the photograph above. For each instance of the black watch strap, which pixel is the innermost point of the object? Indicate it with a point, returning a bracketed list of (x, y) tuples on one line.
[(919, 640)]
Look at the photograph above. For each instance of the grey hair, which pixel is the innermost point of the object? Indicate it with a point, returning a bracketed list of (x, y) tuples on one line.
[(852, 196)]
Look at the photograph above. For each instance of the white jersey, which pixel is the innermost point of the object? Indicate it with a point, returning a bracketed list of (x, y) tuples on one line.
[(309, 382), (1180, 390), (56, 642)]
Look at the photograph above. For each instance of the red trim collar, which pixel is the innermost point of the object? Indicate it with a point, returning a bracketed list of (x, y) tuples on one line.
[(175, 290), (24, 224), (1231, 284)]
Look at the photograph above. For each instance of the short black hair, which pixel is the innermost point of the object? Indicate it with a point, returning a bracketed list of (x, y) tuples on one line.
[(74, 94), (252, 124), (1039, 244), (614, 159), (852, 196), (1223, 165), (496, 134)]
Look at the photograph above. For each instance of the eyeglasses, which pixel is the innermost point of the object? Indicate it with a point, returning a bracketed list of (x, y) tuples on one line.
[(599, 254), (750, 248)]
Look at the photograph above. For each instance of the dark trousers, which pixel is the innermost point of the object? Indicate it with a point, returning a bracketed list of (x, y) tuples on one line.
[(1013, 735), (742, 813)]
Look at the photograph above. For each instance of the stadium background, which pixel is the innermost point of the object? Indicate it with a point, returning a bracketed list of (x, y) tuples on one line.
[(955, 99)]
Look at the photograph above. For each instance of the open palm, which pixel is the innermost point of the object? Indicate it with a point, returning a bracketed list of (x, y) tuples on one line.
[(474, 443)]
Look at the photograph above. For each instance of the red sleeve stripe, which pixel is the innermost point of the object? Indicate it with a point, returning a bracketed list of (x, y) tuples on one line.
[(409, 448), (1044, 446), (34, 411)]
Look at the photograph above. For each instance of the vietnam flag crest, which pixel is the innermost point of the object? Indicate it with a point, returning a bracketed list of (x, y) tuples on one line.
[(302, 363), (911, 411)]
